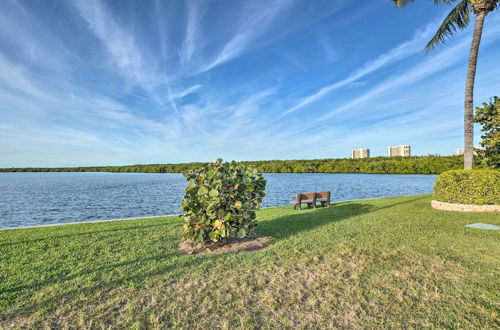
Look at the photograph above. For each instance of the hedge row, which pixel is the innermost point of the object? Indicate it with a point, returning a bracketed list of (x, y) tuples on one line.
[(480, 187)]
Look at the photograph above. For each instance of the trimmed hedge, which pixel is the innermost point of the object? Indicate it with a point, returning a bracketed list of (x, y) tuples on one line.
[(220, 201), (479, 187)]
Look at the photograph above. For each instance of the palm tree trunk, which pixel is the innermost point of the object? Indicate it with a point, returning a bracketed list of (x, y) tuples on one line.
[(469, 92)]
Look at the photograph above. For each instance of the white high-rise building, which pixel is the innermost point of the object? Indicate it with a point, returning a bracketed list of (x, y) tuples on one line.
[(459, 152), (402, 150), (360, 153)]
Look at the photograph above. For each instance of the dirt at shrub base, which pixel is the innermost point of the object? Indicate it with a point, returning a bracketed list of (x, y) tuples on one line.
[(234, 245)]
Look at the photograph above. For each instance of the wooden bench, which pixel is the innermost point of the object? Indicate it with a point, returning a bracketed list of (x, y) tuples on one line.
[(311, 199)]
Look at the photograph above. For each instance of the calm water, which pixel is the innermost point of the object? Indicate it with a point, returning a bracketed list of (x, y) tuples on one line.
[(28, 199)]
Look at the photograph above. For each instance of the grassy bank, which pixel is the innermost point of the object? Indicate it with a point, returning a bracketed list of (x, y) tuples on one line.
[(390, 262)]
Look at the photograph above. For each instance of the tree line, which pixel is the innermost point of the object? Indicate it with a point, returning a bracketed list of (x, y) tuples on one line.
[(377, 165)]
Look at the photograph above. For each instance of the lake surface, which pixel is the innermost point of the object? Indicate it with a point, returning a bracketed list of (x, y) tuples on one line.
[(30, 199)]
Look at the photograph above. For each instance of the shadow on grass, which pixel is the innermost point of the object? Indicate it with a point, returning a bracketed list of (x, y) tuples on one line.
[(292, 224), (400, 203)]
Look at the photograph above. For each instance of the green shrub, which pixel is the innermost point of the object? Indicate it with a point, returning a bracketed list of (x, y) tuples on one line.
[(468, 187), (220, 201)]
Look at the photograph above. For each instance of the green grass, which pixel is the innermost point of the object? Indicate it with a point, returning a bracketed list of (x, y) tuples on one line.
[(383, 263)]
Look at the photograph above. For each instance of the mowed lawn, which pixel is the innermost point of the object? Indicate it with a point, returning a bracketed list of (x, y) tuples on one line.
[(382, 263)]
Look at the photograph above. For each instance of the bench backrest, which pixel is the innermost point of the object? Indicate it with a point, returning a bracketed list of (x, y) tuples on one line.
[(300, 197), (323, 194), (313, 196)]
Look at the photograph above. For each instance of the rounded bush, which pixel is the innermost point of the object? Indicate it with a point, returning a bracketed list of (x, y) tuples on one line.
[(480, 187), (220, 201)]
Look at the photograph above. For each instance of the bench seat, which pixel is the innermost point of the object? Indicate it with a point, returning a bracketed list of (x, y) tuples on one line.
[(305, 201)]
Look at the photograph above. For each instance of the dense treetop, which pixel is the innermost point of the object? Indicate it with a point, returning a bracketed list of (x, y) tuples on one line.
[(380, 165)]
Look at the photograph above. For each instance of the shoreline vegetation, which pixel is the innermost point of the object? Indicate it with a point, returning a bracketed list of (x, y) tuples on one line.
[(387, 263), (377, 165)]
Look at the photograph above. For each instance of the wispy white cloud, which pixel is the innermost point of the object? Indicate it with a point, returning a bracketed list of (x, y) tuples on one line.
[(255, 21), (294, 61), (401, 51), (398, 81), (438, 62), (119, 42), (327, 45), (192, 38), (185, 92), (173, 97), (19, 35), (14, 77), (163, 14)]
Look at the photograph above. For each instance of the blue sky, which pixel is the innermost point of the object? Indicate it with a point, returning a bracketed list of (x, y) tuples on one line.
[(126, 82)]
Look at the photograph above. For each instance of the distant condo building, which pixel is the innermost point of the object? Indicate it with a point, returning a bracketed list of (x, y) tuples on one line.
[(403, 150), (459, 152), (360, 153)]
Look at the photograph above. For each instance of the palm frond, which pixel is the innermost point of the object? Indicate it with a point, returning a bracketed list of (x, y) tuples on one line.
[(402, 3), (444, 2), (458, 18)]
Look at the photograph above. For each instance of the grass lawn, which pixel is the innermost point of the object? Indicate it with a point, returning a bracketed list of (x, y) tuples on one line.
[(392, 262)]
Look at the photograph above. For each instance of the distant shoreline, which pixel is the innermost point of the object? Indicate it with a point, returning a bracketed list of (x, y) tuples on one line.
[(375, 165)]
